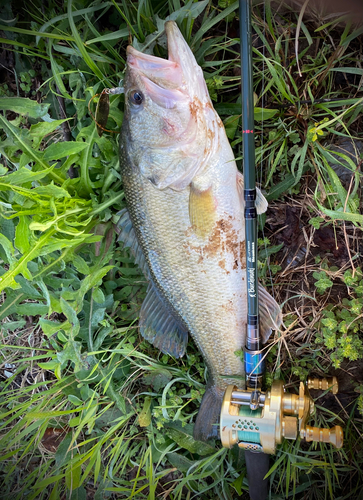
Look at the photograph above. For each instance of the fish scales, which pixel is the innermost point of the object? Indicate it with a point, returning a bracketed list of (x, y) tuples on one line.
[(185, 200), (200, 279)]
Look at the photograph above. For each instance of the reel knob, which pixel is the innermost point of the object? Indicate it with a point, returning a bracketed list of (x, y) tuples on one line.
[(323, 384), (333, 436)]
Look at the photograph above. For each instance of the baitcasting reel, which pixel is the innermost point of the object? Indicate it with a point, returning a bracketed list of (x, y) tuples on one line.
[(258, 421)]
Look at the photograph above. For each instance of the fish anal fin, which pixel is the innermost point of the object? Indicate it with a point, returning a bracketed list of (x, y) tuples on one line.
[(207, 422), (159, 325), (270, 313), (202, 210), (260, 203)]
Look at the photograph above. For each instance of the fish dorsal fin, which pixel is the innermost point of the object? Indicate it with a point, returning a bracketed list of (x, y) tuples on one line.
[(270, 313), (159, 325), (202, 210), (128, 237), (261, 202)]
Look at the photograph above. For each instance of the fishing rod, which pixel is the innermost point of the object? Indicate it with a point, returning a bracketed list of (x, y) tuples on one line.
[(256, 420)]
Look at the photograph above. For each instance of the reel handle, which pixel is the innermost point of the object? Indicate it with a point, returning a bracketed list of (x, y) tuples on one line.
[(334, 436)]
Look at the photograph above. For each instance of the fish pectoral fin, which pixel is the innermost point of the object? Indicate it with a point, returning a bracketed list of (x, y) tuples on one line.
[(174, 170), (128, 237), (270, 313), (261, 202), (159, 326), (202, 210)]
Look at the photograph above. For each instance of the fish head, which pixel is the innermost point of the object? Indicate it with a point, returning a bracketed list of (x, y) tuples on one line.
[(167, 106)]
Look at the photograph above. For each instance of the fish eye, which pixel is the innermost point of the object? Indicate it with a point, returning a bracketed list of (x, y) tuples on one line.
[(136, 97)]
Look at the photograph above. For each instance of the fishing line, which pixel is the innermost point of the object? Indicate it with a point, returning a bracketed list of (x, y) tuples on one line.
[(260, 170), (262, 89), (262, 142), (259, 174)]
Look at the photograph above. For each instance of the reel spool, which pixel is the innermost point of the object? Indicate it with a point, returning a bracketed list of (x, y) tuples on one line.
[(259, 421)]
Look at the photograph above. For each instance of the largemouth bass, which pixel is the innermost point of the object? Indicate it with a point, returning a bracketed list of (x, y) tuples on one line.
[(184, 222)]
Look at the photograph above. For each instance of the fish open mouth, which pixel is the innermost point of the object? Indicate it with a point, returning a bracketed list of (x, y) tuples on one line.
[(178, 76), (164, 72)]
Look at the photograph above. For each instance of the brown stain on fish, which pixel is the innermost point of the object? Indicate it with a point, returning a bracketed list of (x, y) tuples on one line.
[(222, 264), (229, 307), (222, 242), (210, 134), (195, 107), (243, 255)]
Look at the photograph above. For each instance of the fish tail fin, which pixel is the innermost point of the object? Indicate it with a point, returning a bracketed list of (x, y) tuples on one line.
[(270, 314), (207, 422)]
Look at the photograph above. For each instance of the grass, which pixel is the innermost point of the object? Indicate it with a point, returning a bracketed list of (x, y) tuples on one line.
[(90, 409)]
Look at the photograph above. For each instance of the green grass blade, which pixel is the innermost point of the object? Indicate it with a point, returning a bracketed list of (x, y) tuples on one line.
[(37, 33), (93, 67)]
